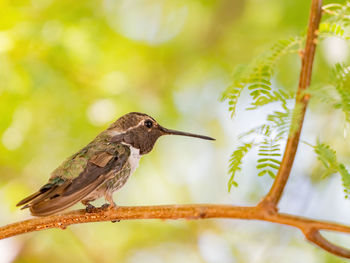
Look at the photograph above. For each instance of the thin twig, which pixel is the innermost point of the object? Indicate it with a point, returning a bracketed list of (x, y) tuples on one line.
[(272, 198), (315, 237)]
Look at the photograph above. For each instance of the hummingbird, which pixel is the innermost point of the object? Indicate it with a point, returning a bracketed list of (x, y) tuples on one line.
[(100, 168)]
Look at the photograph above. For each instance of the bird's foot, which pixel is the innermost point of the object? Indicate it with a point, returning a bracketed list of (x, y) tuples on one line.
[(90, 208), (107, 206)]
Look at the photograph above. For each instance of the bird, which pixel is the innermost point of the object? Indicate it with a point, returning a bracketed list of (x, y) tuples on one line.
[(101, 167)]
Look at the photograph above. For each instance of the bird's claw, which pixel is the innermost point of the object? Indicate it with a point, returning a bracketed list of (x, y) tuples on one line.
[(105, 206), (90, 208), (108, 206)]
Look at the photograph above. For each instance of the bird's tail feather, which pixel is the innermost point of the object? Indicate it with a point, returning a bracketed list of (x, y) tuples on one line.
[(29, 198), (58, 202)]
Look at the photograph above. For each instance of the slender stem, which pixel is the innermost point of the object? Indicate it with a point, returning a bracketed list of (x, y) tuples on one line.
[(331, 5), (272, 198)]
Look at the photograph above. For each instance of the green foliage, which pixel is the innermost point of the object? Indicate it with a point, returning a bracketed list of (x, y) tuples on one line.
[(337, 91), (273, 132), (258, 75), (340, 74), (274, 96), (341, 83), (257, 78), (324, 93), (236, 162), (280, 122), (234, 91), (269, 150), (260, 130), (276, 129), (332, 29), (327, 156), (338, 13), (337, 20)]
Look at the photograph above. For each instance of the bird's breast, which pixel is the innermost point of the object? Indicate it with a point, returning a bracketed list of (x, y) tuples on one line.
[(134, 159), (122, 176)]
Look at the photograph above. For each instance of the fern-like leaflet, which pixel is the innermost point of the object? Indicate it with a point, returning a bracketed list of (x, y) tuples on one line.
[(279, 95), (338, 12), (269, 163), (341, 79), (236, 162), (233, 92), (327, 156), (332, 29), (336, 22), (279, 123), (258, 75), (337, 91)]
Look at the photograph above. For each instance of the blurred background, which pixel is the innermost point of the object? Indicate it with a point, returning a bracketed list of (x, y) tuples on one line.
[(70, 68)]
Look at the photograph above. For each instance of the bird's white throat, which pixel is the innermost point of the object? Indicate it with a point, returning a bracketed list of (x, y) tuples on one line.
[(134, 153), (134, 158)]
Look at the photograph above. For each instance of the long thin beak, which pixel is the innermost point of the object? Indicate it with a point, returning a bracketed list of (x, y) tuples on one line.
[(174, 132)]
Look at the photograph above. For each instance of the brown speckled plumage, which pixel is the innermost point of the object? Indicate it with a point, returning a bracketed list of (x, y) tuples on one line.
[(101, 167)]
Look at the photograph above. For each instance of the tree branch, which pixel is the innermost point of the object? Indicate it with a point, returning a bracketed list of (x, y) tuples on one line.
[(309, 227), (315, 237), (301, 101), (265, 210)]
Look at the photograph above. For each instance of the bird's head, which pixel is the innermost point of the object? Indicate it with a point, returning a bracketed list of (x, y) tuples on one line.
[(142, 131)]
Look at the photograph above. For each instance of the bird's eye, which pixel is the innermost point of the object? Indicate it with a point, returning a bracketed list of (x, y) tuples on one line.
[(148, 124)]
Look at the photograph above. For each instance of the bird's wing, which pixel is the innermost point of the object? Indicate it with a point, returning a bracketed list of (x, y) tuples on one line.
[(55, 197)]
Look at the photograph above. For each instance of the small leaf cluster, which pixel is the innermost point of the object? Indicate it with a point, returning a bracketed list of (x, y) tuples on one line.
[(327, 156), (257, 77), (236, 162), (336, 22), (268, 162), (269, 151), (341, 81), (337, 92)]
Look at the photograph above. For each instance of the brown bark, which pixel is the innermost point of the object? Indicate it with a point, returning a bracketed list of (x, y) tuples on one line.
[(272, 198)]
